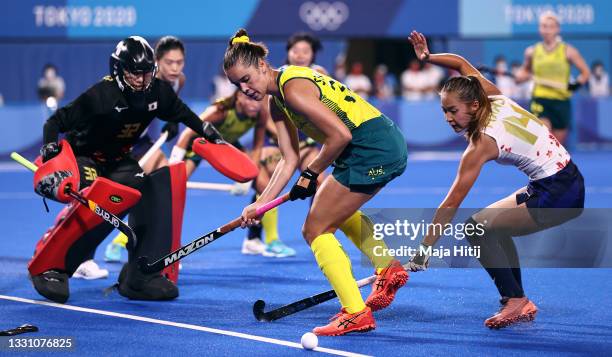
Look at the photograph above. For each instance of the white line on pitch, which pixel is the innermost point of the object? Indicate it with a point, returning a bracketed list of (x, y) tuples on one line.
[(180, 325)]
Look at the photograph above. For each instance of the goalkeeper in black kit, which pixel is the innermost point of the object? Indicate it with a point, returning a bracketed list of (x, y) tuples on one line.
[(101, 127)]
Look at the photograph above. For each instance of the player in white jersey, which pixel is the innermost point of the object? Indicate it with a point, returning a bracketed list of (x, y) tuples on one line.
[(499, 129)]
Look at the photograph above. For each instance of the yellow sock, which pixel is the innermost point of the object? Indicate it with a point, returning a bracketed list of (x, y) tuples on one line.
[(269, 221), (359, 229), (336, 266), (120, 239)]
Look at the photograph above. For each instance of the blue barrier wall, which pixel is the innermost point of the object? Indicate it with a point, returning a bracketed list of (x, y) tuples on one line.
[(422, 123), (84, 63)]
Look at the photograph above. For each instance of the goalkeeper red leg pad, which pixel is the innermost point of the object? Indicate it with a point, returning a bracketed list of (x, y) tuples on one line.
[(226, 159), (52, 178), (157, 220), (78, 230)]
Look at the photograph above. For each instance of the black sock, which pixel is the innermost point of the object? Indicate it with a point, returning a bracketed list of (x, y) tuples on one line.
[(495, 261), (254, 231), (507, 244)]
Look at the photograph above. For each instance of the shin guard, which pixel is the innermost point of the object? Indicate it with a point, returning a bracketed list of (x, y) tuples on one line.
[(78, 230), (157, 220)]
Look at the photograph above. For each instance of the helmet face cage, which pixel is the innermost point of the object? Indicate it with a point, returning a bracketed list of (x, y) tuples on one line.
[(133, 59)]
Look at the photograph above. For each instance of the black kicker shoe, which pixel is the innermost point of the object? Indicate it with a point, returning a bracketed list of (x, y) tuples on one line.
[(135, 285), (53, 285)]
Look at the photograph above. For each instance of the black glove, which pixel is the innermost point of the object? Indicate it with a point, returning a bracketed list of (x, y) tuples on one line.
[(172, 129), (572, 86), (305, 186), (49, 151), (211, 134)]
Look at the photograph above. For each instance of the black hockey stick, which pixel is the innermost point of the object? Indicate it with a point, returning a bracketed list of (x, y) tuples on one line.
[(173, 257), (572, 86), (94, 207), (260, 315), (490, 70), (290, 309)]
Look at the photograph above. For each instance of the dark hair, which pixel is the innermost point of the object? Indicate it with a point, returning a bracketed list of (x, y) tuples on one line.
[(468, 89), (314, 43), (166, 44), (49, 66), (243, 50)]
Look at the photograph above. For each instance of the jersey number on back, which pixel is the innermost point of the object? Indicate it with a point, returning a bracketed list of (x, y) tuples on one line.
[(128, 131)]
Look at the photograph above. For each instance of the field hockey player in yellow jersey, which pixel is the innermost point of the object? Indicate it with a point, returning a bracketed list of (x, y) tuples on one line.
[(499, 129), (367, 150), (302, 49), (549, 63)]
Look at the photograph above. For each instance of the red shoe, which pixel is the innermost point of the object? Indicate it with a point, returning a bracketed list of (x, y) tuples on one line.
[(386, 285), (514, 310), (343, 323)]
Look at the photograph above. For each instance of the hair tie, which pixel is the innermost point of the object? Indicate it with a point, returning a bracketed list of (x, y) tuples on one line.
[(240, 39)]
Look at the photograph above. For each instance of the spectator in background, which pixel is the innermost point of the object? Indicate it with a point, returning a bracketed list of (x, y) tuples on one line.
[(340, 69), (432, 76), (357, 81), (505, 83), (222, 87), (523, 90), (599, 82), (384, 83), (413, 81), (51, 86)]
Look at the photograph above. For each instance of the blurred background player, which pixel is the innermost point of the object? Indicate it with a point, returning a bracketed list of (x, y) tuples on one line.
[(233, 117), (549, 63), (170, 59), (499, 129), (102, 125), (368, 150)]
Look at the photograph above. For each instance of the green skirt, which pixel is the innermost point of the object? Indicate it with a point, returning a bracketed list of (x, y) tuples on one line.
[(376, 155)]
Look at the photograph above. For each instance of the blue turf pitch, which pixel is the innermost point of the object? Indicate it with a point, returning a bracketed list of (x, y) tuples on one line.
[(439, 312)]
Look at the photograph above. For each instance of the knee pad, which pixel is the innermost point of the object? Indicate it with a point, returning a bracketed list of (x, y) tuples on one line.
[(78, 230), (157, 219)]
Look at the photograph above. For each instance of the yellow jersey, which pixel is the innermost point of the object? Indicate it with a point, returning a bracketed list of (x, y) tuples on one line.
[(349, 107), (553, 67), (234, 126)]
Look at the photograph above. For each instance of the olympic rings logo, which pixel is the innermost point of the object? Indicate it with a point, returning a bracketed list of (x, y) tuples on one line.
[(324, 15)]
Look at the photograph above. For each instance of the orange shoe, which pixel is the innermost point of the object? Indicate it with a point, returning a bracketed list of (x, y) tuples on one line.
[(514, 310), (386, 285), (343, 323)]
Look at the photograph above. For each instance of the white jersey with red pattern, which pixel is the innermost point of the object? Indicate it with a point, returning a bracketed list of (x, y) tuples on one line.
[(523, 140)]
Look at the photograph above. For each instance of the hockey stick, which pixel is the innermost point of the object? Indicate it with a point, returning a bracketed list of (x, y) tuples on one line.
[(158, 143), (167, 260), (209, 186), (94, 207), (297, 306), (537, 80)]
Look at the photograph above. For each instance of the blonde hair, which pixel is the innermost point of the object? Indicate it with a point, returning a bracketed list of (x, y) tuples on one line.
[(468, 89), (549, 15)]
